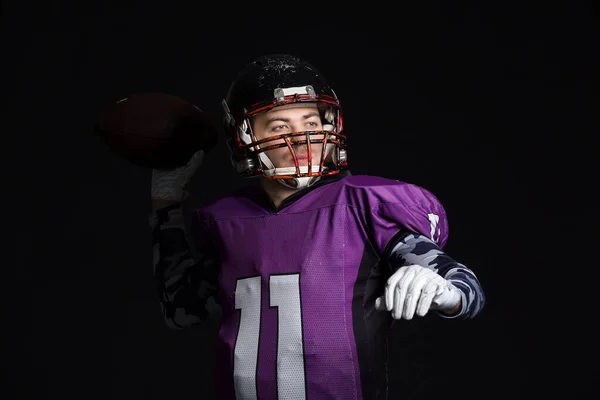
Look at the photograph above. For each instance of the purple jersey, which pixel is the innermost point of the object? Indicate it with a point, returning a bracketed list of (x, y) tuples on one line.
[(297, 286)]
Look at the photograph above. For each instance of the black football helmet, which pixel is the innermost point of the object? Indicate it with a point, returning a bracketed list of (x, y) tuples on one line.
[(274, 81)]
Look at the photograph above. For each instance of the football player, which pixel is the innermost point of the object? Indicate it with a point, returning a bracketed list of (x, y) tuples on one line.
[(309, 268)]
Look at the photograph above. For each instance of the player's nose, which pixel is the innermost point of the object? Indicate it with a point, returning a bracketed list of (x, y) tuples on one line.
[(298, 136)]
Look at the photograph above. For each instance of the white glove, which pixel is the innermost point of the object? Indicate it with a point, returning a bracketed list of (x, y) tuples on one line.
[(170, 184), (415, 289)]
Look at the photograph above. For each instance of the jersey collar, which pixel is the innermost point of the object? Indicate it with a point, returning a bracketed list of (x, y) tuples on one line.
[(298, 195)]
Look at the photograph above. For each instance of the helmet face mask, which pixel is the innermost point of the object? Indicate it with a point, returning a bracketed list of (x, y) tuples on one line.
[(274, 83)]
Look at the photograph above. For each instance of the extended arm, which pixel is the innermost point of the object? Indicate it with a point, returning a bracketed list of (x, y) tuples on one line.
[(425, 277)]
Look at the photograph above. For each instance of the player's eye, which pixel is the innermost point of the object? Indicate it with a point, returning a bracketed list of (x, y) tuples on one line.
[(279, 127)]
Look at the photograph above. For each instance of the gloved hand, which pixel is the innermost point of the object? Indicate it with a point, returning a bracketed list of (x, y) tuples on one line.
[(170, 185), (416, 290)]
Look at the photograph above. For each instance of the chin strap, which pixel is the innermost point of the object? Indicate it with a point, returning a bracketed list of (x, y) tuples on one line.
[(296, 182), (299, 183)]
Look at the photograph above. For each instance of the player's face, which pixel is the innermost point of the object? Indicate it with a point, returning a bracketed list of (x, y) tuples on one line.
[(287, 120)]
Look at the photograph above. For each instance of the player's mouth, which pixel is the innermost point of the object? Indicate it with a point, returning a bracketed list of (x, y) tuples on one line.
[(302, 158)]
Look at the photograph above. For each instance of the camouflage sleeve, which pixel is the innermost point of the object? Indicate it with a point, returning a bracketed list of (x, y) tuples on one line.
[(186, 281), (411, 248)]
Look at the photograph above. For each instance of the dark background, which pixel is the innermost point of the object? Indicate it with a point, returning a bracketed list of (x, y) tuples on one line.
[(487, 108)]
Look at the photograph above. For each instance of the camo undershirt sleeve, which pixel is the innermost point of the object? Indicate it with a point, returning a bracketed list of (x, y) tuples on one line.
[(186, 281), (411, 248)]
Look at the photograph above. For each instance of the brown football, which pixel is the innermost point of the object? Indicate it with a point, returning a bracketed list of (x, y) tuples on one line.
[(156, 130)]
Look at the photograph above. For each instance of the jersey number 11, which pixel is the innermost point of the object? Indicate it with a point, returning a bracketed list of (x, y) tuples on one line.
[(284, 293)]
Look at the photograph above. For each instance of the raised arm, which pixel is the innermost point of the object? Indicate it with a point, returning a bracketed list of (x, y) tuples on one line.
[(186, 276)]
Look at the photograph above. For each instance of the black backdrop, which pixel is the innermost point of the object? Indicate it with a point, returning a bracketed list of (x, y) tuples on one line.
[(480, 106)]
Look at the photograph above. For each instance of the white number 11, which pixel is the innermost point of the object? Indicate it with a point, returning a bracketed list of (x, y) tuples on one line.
[(284, 293)]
